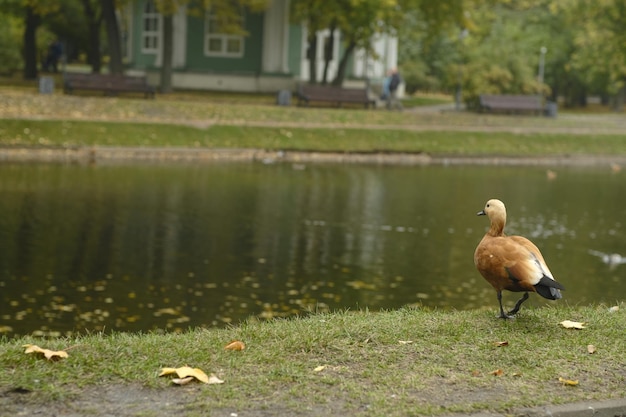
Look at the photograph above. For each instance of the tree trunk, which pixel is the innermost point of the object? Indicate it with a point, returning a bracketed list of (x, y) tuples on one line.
[(94, 22), (343, 64), (113, 35), (620, 97), (168, 49), (31, 24), (312, 56), (328, 52)]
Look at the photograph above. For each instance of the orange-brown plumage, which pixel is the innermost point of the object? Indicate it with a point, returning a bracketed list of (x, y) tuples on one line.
[(512, 263)]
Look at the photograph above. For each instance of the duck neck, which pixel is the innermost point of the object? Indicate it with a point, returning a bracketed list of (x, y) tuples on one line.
[(497, 227)]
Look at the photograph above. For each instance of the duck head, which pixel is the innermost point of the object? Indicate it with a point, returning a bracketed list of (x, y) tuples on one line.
[(495, 210)]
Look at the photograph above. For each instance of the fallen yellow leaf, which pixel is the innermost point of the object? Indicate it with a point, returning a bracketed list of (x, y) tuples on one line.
[(497, 372), (500, 344), (214, 380), (591, 349), (167, 371), (614, 309), (568, 324), (319, 368), (186, 371), (49, 354), (568, 382), (183, 381), (405, 342), (235, 345)]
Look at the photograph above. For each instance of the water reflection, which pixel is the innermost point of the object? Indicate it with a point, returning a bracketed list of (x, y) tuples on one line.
[(168, 247)]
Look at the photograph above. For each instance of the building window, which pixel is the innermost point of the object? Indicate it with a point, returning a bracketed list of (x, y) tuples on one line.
[(217, 42), (151, 23)]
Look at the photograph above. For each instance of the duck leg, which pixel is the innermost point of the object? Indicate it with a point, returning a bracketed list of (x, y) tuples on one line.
[(519, 304), (502, 313)]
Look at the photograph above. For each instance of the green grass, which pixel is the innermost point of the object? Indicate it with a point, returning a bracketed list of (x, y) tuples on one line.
[(445, 368), (31, 133), (217, 120)]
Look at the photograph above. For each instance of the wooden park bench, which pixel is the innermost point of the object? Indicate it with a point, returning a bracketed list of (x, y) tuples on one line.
[(107, 83), (512, 103), (308, 93)]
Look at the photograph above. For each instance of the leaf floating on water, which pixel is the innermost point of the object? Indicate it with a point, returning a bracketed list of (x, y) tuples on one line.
[(579, 325), (361, 285), (235, 345), (51, 355), (170, 311), (591, 349), (500, 344), (568, 382), (186, 371)]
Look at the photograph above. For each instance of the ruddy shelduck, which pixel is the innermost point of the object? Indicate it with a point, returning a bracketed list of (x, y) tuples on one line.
[(512, 263)]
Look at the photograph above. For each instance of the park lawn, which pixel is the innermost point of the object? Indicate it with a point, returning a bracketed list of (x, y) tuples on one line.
[(411, 361), (230, 109)]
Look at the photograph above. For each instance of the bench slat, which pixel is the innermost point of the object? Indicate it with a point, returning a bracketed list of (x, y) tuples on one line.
[(107, 83), (509, 102), (330, 94)]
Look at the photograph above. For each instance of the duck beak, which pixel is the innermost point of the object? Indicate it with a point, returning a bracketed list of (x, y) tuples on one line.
[(481, 213)]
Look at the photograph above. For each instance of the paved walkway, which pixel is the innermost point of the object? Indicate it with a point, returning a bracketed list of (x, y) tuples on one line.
[(609, 408)]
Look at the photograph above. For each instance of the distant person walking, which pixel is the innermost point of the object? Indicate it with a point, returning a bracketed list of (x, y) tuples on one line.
[(393, 102), (55, 51)]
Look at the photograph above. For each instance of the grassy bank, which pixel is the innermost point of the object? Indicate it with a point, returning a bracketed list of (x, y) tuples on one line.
[(33, 133), (406, 362), (223, 121)]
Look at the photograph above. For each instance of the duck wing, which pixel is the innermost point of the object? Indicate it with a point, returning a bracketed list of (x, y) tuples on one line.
[(537, 272)]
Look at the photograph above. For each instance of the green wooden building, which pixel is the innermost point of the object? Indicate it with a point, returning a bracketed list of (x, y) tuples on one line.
[(271, 57)]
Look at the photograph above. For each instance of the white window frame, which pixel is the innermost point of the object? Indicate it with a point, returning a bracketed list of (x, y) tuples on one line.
[(223, 38), (151, 29)]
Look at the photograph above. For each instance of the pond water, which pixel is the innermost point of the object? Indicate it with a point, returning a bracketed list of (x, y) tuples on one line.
[(168, 247)]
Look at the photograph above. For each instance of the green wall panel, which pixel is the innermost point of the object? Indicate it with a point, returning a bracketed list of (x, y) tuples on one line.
[(250, 62)]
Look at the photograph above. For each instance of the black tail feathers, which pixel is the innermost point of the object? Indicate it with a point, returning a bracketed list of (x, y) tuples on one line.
[(549, 288)]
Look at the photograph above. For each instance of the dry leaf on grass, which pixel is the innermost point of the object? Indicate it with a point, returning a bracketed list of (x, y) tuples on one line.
[(235, 345), (51, 355), (183, 381), (185, 372), (319, 368), (614, 309), (568, 324), (497, 372), (405, 342), (568, 382), (213, 379), (500, 344), (591, 349)]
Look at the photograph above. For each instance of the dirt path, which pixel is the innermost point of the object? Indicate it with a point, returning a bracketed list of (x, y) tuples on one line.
[(134, 400)]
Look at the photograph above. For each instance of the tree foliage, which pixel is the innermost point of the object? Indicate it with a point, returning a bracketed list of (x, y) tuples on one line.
[(10, 56), (599, 53)]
